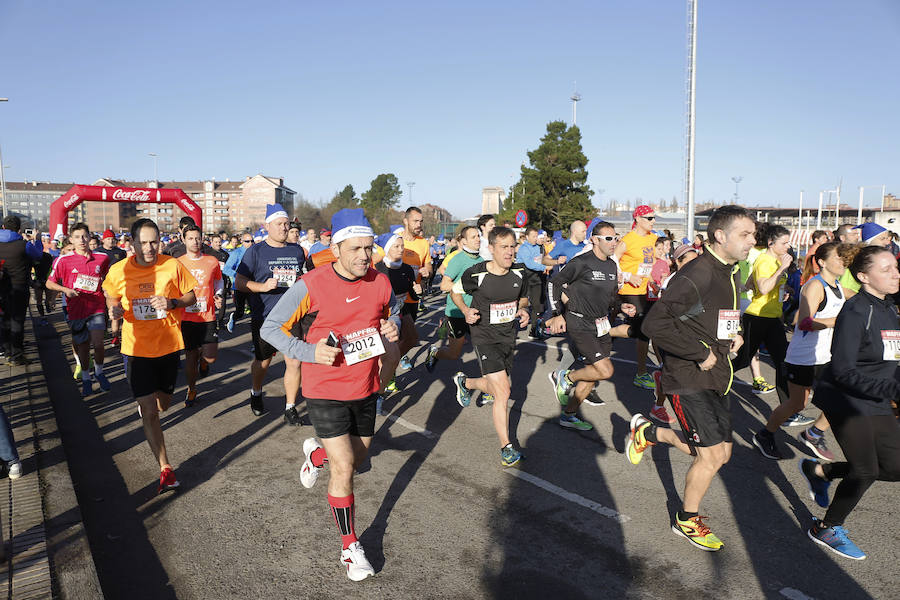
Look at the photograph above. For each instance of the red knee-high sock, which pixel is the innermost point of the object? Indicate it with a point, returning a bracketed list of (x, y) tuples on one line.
[(342, 510), (318, 457)]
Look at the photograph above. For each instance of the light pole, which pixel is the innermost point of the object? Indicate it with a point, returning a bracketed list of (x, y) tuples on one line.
[(410, 185), (2, 177), (737, 181), (155, 184)]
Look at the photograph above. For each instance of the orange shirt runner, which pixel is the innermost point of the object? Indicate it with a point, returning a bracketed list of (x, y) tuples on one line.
[(159, 331), (417, 254), (207, 272)]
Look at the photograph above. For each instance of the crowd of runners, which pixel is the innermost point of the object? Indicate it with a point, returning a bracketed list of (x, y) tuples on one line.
[(341, 306)]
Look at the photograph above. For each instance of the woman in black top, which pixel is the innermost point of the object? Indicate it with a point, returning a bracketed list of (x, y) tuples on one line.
[(855, 394)]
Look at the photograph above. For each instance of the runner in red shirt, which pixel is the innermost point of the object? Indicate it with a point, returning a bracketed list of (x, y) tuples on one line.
[(199, 326), (79, 276)]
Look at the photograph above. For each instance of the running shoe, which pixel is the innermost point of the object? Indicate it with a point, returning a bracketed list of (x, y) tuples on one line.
[(405, 363), (379, 405), (190, 397), (818, 486), (392, 386), (256, 405), (637, 443), (836, 539), (765, 443), (487, 399), (355, 561), (292, 417), (167, 481), (230, 324), (816, 445), (593, 399), (76, 375), (87, 388), (105, 385), (573, 422), (309, 473), (644, 381), (661, 415), (561, 386), (761, 386), (509, 455), (431, 360), (697, 533), (798, 420), (462, 394), (15, 469)]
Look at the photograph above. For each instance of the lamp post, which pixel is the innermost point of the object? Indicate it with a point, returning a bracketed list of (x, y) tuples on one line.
[(155, 184), (2, 177), (737, 181)]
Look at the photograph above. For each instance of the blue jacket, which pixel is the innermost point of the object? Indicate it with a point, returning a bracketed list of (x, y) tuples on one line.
[(530, 256), (32, 249), (234, 259)]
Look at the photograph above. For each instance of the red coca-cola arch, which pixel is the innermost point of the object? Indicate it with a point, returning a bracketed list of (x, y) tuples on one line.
[(59, 224)]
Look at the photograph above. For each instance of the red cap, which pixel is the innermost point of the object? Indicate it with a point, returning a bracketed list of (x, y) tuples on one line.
[(325, 232), (108, 234)]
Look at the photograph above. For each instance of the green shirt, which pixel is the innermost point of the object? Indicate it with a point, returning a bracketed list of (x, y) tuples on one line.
[(847, 281), (455, 268)]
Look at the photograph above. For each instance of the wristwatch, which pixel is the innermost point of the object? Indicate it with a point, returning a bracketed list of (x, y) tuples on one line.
[(173, 303)]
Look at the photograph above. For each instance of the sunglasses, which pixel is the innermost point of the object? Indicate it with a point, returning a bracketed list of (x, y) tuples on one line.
[(607, 238), (651, 218), (246, 241)]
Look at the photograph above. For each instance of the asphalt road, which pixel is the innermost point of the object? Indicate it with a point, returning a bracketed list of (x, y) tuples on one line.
[(438, 516)]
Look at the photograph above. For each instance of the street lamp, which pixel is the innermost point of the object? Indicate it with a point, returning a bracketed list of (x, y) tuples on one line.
[(155, 183), (2, 178), (737, 181)]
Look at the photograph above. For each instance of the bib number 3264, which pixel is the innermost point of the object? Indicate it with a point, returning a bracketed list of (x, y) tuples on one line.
[(362, 345)]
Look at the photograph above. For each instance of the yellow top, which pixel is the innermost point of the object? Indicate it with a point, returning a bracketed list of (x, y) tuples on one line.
[(766, 305), (638, 258)]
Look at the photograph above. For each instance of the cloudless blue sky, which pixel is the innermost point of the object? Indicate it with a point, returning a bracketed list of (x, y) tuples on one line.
[(790, 95)]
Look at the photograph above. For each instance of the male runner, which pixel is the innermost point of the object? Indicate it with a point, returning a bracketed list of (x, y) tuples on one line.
[(230, 270), (149, 290), (636, 257), (176, 249), (266, 272), (199, 327), (531, 255), (499, 296), (79, 276), (591, 283), (697, 324), (218, 252), (352, 304), (416, 253)]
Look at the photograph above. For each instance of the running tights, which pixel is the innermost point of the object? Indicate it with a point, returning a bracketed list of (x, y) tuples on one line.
[(768, 330)]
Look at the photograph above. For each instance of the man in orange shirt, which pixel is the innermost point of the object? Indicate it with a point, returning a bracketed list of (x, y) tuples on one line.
[(199, 328), (417, 254), (150, 292)]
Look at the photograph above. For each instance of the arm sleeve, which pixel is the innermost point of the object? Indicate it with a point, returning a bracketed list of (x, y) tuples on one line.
[(276, 329), (566, 275), (664, 326), (231, 265), (849, 330)]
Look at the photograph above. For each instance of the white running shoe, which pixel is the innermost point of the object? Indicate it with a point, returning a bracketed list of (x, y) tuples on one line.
[(355, 561), (309, 473), (15, 469)]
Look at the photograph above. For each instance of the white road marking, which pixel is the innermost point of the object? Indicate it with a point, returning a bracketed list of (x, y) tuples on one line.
[(411, 426), (794, 594), (571, 497)]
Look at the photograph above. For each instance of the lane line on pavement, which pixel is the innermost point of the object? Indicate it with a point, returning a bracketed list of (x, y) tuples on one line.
[(570, 496), (794, 594), (411, 426)]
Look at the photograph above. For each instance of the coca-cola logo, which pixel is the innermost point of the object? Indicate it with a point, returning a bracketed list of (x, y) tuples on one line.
[(71, 201), (133, 196)]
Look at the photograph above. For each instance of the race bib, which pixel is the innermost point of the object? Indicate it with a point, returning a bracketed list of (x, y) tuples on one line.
[(142, 310), (87, 283), (729, 324), (503, 312), (362, 345), (891, 340), (644, 269), (197, 307), (602, 326), (285, 276)]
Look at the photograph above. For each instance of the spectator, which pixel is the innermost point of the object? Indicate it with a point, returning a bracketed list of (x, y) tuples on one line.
[(17, 258)]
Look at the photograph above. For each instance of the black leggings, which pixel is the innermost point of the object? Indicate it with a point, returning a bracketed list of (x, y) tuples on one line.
[(240, 300), (770, 330), (14, 304), (871, 445)]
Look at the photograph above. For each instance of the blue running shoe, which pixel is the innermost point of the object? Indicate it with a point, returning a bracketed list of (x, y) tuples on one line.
[(103, 381), (379, 401), (561, 386), (836, 539), (509, 455), (87, 388), (405, 363), (462, 394), (230, 324), (818, 487)]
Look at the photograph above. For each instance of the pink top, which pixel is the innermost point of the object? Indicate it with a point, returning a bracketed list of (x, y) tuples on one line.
[(84, 274)]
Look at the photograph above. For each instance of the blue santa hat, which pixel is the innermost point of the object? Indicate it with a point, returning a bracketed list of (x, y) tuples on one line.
[(386, 240), (350, 222), (275, 211), (557, 236), (868, 231), (592, 224)]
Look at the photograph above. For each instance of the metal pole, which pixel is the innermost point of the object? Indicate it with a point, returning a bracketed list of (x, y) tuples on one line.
[(819, 215), (692, 4), (882, 197), (3, 178), (800, 212), (837, 208), (859, 212)]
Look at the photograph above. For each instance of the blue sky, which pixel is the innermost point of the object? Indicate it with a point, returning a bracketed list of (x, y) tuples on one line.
[(790, 95)]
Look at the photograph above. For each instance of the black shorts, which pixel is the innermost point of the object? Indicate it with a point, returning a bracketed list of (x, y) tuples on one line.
[(803, 375), (332, 418), (587, 344), (494, 358), (262, 350), (197, 334), (457, 327), (149, 375), (642, 305), (411, 309), (704, 416)]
